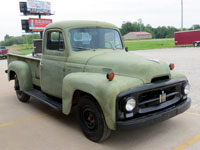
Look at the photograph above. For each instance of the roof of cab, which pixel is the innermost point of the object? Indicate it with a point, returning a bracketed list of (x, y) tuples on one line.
[(74, 24)]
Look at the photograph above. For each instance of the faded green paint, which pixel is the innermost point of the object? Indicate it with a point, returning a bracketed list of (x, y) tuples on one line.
[(61, 73), (33, 67), (80, 24), (23, 72), (121, 63), (175, 75), (103, 90)]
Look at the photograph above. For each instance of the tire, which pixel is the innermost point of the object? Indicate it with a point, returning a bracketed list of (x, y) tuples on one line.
[(196, 44), (92, 120), (20, 94)]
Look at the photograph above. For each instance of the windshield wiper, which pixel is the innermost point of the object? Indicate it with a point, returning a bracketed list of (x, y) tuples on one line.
[(82, 48)]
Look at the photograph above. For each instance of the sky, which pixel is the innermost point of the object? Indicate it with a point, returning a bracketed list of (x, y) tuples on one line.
[(153, 12)]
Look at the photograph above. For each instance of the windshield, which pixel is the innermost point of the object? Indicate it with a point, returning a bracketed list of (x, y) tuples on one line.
[(2, 47), (94, 38)]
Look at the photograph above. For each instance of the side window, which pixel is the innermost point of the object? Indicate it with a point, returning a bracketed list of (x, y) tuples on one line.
[(55, 41), (109, 39), (112, 40)]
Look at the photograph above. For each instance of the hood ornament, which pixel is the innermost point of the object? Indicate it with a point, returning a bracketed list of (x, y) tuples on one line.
[(163, 97), (155, 60)]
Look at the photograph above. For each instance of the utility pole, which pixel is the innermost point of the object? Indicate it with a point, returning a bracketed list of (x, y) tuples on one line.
[(182, 15), (41, 33), (140, 22)]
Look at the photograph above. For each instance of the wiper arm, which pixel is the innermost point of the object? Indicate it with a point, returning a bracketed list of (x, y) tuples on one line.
[(82, 48)]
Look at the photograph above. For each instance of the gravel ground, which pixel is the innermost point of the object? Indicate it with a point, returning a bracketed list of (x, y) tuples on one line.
[(3, 64)]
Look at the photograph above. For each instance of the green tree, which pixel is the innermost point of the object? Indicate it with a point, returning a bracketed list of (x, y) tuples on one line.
[(24, 39), (7, 37), (159, 32), (195, 27)]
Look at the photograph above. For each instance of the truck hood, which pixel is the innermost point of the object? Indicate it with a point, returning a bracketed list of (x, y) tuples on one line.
[(127, 64)]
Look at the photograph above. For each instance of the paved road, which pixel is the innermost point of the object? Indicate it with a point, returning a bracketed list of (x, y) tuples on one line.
[(187, 61), (3, 64), (33, 125)]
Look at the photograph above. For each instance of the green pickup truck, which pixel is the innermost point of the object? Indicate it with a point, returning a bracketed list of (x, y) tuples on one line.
[(85, 64)]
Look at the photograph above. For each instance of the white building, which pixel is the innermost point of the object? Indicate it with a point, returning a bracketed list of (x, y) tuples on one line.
[(137, 36)]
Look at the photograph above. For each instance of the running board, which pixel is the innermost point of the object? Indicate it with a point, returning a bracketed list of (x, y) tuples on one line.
[(43, 98)]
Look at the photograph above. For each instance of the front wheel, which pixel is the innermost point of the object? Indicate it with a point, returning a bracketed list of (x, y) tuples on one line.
[(20, 94), (92, 120)]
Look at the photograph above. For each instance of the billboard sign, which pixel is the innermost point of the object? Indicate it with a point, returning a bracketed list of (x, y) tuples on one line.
[(38, 25), (40, 7)]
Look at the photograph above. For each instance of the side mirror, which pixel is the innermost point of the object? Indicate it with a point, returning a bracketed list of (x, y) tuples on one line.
[(126, 49)]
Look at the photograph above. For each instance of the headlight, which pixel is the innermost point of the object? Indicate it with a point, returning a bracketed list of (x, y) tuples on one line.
[(186, 89), (130, 104)]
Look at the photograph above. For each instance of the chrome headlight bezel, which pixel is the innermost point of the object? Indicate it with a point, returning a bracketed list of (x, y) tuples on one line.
[(129, 104), (186, 88)]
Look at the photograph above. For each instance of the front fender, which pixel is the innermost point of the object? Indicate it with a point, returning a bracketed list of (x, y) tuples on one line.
[(104, 91), (175, 75), (23, 72)]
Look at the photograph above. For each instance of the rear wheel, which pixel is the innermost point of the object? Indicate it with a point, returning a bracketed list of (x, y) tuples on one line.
[(196, 44), (92, 120), (20, 94)]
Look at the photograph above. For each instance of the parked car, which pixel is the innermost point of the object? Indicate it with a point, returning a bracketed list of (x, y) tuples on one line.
[(85, 64), (3, 51)]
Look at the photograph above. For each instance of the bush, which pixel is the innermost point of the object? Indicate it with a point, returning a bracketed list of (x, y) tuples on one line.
[(24, 39)]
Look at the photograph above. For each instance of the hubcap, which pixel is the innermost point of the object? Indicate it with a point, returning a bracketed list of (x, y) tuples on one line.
[(89, 118)]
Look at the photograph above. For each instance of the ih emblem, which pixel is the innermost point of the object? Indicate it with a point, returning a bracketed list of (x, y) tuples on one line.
[(163, 97)]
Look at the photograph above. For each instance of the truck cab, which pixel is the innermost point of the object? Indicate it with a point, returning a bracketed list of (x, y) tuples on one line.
[(67, 51), (84, 64)]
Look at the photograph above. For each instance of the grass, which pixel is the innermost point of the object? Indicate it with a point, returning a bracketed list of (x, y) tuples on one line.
[(23, 49), (150, 44), (132, 45)]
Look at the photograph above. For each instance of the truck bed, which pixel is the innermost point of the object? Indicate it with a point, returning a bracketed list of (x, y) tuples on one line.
[(33, 62)]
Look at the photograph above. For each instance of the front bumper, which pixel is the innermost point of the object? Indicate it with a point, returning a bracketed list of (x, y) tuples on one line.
[(155, 117)]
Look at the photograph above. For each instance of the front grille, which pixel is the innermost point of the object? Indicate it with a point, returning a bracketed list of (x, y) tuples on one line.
[(151, 99)]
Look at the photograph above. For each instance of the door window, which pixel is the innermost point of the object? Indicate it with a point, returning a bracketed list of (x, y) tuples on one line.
[(55, 41)]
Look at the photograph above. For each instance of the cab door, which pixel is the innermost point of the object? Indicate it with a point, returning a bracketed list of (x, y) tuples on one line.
[(53, 63)]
